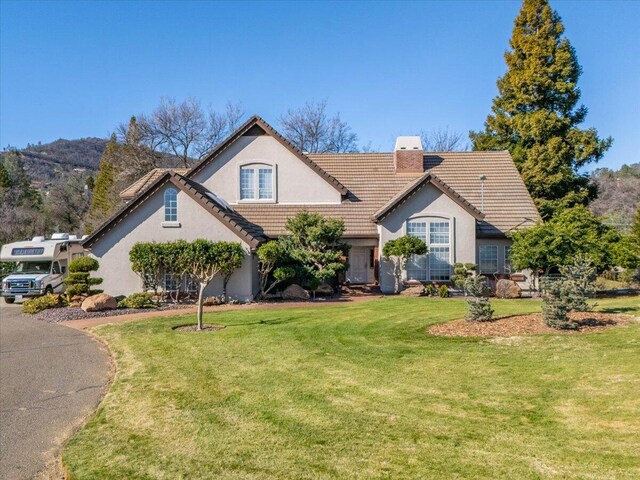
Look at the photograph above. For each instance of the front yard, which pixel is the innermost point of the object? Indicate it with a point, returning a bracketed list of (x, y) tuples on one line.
[(361, 391)]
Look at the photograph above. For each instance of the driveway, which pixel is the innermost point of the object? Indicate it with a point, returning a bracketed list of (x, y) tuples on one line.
[(51, 378)]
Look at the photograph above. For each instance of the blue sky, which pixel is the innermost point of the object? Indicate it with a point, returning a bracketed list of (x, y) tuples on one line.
[(73, 69)]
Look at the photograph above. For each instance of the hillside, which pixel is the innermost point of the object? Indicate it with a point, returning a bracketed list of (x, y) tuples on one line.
[(618, 194), (46, 161)]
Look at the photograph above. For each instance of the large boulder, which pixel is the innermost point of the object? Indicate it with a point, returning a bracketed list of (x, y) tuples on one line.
[(508, 289), (99, 302), (413, 291), (295, 292)]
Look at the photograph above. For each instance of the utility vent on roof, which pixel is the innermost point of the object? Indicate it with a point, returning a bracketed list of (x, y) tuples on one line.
[(408, 155)]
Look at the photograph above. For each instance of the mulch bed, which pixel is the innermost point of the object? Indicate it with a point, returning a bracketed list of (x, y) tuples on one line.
[(194, 328), (55, 315), (528, 324)]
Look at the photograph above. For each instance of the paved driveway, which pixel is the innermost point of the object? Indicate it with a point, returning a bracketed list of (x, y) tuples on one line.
[(51, 378)]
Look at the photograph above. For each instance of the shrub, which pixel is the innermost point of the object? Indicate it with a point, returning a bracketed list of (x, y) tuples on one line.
[(79, 281), (556, 303), (443, 291), (38, 304), (580, 277), (430, 290), (477, 298), (399, 251), (137, 300)]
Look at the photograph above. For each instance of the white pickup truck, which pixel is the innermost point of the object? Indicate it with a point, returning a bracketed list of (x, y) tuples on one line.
[(41, 265)]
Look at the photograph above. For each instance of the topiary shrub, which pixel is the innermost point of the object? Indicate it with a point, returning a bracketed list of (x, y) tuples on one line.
[(477, 298), (462, 271), (443, 291), (557, 303), (38, 304), (430, 290), (137, 300), (79, 281)]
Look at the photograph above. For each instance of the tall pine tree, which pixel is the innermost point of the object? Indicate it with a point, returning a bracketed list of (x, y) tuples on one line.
[(105, 199), (536, 114)]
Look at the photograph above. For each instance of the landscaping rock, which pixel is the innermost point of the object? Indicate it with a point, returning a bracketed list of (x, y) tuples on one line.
[(508, 289), (324, 290), (99, 302), (413, 291), (295, 292)]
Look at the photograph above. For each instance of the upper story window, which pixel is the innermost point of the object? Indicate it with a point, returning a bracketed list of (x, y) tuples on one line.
[(488, 259), (256, 182), (436, 265), (170, 205)]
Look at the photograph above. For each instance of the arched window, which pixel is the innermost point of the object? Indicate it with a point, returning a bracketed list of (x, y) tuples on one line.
[(170, 205), (256, 182), (435, 266)]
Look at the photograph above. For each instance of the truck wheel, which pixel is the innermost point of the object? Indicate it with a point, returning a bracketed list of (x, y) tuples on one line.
[(48, 290), (9, 299)]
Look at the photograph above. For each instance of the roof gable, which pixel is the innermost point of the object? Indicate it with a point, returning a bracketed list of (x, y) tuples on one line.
[(245, 230), (256, 126), (413, 187)]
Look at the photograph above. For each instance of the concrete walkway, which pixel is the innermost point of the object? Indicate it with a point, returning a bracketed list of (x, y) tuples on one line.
[(92, 322), (51, 379)]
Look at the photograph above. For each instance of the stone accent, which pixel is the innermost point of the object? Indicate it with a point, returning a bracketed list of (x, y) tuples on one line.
[(413, 291), (508, 289), (295, 292), (99, 302), (324, 290)]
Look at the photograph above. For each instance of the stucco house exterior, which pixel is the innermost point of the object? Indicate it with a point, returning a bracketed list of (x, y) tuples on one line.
[(463, 204)]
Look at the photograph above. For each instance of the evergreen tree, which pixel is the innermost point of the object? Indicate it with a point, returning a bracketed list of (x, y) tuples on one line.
[(536, 113), (105, 199), (4, 177)]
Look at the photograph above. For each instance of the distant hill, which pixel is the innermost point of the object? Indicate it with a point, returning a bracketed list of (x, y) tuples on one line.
[(618, 194), (45, 162)]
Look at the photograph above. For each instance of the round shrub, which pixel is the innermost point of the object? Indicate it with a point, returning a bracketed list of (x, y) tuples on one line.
[(137, 300), (38, 304)]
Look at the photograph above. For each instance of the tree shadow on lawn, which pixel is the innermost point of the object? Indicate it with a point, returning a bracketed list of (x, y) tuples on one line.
[(617, 310)]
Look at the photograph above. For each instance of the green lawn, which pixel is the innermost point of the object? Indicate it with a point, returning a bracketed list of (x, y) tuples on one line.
[(361, 391)]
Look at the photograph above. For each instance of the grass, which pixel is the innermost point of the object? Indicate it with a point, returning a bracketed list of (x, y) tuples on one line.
[(360, 391)]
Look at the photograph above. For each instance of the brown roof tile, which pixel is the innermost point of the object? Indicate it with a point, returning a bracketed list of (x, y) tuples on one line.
[(143, 182)]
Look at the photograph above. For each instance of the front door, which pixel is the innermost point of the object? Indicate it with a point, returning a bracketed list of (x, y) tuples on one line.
[(359, 267)]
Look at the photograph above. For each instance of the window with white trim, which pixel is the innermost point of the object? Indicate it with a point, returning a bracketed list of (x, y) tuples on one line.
[(256, 182), (435, 265), (170, 205), (488, 259), (170, 282)]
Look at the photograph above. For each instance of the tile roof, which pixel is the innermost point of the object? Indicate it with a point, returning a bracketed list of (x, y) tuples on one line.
[(245, 230), (143, 182), (249, 128), (372, 183)]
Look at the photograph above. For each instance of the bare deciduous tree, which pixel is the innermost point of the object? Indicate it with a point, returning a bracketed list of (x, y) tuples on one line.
[(183, 129), (313, 130), (443, 140)]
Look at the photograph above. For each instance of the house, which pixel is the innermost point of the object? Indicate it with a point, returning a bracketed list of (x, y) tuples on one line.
[(463, 204)]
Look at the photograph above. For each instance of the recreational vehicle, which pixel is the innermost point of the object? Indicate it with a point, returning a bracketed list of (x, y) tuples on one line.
[(40, 265)]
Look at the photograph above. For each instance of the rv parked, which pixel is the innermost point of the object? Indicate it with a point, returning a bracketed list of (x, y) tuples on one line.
[(41, 265)]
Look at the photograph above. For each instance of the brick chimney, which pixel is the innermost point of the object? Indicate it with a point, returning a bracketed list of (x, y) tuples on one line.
[(408, 155)]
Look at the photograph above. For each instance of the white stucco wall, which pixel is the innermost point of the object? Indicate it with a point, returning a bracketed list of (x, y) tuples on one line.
[(429, 202), (295, 181), (144, 224)]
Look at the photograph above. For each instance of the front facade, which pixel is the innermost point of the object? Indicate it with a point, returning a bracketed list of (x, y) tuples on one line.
[(462, 204)]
